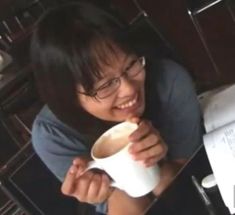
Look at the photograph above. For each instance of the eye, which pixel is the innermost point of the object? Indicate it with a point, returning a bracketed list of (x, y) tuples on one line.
[(135, 64), (108, 84), (131, 64)]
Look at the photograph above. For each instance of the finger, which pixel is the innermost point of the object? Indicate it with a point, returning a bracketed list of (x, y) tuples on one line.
[(67, 187), (79, 161), (157, 151), (93, 190), (149, 141), (150, 162), (134, 119), (105, 189), (143, 129), (80, 171), (83, 183)]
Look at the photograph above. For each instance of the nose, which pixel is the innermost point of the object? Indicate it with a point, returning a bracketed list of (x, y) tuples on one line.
[(127, 87)]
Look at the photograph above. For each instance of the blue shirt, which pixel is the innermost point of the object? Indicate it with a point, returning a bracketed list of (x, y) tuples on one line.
[(171, 105)]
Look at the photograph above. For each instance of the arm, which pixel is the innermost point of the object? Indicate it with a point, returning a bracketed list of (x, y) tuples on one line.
[(181, 119), (127, 205)]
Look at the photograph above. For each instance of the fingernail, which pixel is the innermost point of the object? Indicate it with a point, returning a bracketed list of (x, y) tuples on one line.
[(72, 169), (75, 162), (134, 157), (142, 162), (130, 150), (80, 171)]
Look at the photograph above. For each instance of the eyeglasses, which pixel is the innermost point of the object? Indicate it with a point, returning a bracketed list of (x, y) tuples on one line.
[(107, 89)]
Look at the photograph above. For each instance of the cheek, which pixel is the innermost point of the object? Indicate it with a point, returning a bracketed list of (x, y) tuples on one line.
[(99, 109)]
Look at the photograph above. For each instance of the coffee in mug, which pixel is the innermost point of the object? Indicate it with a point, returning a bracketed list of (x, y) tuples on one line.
[(112, 142)]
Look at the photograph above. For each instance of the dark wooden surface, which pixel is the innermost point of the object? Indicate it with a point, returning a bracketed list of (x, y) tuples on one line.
[(217, 28), (182, 198)]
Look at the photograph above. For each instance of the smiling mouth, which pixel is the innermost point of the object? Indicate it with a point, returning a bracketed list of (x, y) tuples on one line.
[(129, 104)]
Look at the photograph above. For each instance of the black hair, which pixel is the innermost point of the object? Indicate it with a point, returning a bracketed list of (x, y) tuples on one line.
[(69, 45)]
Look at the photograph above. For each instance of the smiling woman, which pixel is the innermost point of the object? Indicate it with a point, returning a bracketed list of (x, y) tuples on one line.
[(91, 77), (121, 96)]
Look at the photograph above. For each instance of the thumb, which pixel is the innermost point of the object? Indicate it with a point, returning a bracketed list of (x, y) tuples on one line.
[(134, 119)]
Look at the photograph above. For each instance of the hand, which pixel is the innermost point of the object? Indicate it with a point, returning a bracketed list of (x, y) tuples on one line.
[(148, 146), (89, 187)]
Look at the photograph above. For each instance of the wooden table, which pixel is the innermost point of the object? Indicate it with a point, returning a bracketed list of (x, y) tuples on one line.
[(182, 198)]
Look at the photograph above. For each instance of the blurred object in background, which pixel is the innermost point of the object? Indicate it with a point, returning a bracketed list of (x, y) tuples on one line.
[(3, 43), (20, 21), (5, 60), (16, 28)]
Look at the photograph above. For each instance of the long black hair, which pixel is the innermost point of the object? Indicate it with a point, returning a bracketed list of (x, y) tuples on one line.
[(69, 45)]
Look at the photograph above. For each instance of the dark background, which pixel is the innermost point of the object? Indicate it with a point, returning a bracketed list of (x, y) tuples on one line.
[(199, 33)]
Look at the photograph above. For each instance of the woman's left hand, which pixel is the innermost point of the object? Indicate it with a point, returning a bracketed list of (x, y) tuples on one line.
[(148, 146)]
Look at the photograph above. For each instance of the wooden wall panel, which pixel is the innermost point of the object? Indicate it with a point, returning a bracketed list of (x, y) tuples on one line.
[(173, 19), (218, 29)]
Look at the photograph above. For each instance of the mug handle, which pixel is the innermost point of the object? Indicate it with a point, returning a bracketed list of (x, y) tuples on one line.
[(95, 165)]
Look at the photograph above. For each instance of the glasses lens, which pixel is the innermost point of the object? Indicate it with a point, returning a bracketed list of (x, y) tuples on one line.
[(136, 67), (109, 88)]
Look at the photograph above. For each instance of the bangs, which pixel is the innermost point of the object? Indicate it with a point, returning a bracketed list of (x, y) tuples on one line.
[(90, 60)]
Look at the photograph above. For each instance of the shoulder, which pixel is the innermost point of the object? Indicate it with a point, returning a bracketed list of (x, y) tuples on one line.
[(49, 132), (167, 71), (56, 145), (177, 111), (168, 79)]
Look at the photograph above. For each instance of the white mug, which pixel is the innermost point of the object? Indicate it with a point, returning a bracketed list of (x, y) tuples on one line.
[(110, 154)]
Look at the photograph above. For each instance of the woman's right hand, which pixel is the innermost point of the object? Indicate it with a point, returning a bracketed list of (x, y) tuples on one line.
[(89, 187)]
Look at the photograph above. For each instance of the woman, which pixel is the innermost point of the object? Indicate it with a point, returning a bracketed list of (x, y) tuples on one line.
[(91, 77)]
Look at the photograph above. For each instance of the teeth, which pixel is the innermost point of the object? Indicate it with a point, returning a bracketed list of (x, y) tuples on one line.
[(128, 104)]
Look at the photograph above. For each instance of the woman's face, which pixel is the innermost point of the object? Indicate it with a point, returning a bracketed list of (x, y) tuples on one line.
[(127, 100)]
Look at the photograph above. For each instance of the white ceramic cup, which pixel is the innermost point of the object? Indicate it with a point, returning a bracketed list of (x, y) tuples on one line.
[(110, 154)]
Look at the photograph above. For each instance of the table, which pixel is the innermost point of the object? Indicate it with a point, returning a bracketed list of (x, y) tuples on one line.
[(182, 198)]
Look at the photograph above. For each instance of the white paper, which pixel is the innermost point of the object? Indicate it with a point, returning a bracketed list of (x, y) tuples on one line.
[(218, 107), (220, 148)]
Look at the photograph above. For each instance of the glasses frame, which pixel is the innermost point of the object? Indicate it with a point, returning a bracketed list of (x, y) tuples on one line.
[(142, 61)]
